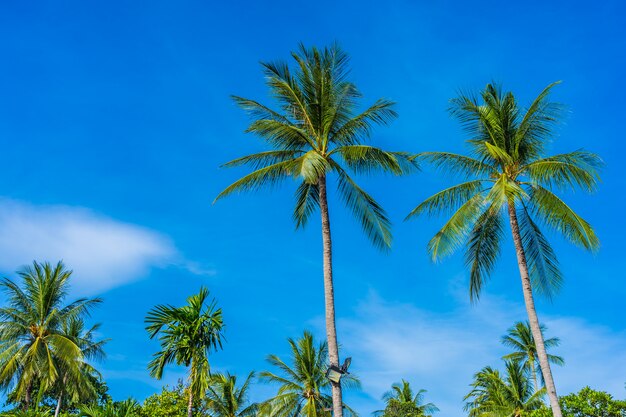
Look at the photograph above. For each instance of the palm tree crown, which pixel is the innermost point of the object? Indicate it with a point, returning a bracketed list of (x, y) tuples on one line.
[(34, 349), (508, 168), (509, 396), (402, 400), (317, 132), (226, 399), (520, 339), (187, 335), (303, 386)]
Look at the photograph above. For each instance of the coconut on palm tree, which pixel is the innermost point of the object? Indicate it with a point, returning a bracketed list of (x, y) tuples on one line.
[(187, 335), (402, 401), (508, 395), (520, 339), (35, 352), (303, 389), (314, 136), (509, 177), (227, 399)]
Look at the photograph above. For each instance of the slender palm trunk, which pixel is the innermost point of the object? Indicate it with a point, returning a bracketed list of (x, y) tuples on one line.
[(190, 404), (27, 396), (329, 296), (534, 367), (532, 313), (59, 402)]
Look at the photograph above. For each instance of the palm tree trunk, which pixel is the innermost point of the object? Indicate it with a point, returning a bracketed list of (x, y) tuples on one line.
[(27, 397), (58, 409), (190, 404), (329, 296), (532, 313), (535, 375)]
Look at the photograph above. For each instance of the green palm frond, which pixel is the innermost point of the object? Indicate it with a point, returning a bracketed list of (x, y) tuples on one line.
[(543, 265), (307, 201), (483, 248), (558, 215), (449, 199), (372, 216), (572, 170), (458, 164), (364, 159), (317, 128), (454, 233), (269, 175)]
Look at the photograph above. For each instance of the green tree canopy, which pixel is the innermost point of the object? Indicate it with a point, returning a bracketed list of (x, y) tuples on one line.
[(187, 335), (303, 389), (35, 351), (402, 401)]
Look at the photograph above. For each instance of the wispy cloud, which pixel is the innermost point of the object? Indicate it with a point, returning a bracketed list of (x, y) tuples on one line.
[(441, 351), (104, 253)]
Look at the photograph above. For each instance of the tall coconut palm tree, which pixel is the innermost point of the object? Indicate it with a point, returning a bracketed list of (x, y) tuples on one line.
[(33, 347), (493, 395), (520, 338), (187, 335), (226, 399), (303, 386), (315, 135), (509, 177), (80, 387), (401, 400)]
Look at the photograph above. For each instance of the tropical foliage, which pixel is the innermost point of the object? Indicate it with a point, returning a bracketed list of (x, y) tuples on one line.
[(303, 389), (508, 395), (508, 175), (227, 399), (126, 408), (187, 335), (401, 401), (41, 341), (520, 339), (316, 133)]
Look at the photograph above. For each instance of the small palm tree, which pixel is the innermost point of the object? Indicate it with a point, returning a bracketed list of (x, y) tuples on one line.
[(126, 408), (402, 401), (187, 335), (509, 177), (79, 387), (303, 386), (510, 396), (226, 399), (520, 338), (317, 134), (34, 351)]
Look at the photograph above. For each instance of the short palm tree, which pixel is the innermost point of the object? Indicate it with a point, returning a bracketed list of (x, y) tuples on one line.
[(402, 400), (34, 351), (509, 177), (317, 134), (126, 408), (303, 386), (226, 399), (520, 338), (79, 387), (510, 396), (187, 335)]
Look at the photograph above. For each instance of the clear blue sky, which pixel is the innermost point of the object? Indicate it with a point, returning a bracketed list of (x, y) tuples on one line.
[(115, 117)]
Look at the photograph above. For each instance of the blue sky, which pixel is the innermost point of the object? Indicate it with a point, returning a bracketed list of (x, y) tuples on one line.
[(115, 117)]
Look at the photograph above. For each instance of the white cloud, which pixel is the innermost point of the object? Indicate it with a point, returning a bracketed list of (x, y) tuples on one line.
[(104, 253), (441, 351)]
